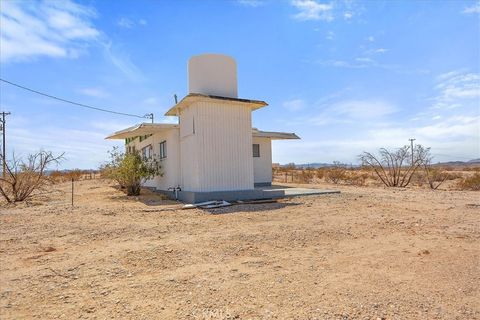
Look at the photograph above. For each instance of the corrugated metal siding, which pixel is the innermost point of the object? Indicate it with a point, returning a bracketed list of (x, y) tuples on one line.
[(218, 156)]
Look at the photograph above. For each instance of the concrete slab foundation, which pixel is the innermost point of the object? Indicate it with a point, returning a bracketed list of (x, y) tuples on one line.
[(267, 192)]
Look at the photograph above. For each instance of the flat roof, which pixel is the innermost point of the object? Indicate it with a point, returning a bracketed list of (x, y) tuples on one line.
[(274, 135), (152, 128), (141, 130), (194, 97)]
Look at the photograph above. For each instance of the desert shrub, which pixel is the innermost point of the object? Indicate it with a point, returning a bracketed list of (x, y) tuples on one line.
[(305, 176), (57, 176), (23, 177), (130, 170), (320, 173), (393, 167), (356, 178), (336, 173), (435, 177), (470, 183), (75, 175)]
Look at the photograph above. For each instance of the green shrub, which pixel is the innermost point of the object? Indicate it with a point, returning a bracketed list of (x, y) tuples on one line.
[(130, 170)]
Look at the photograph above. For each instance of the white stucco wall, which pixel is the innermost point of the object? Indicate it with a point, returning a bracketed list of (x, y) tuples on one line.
[(262, 166), (218, 155), (170, 165)]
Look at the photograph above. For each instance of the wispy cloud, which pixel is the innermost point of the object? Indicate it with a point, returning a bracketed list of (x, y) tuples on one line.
[(456, 88), (294, 105), (55, 29), (330, 35), (367, 62), (121, 60), (251, 3), (151, 100), (475, 8), (312, 10), (128, 23), (94, 92), (47, 28)]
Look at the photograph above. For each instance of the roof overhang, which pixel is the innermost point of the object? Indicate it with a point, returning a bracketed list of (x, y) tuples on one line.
[(141, 130), (274, 135), (195, 97)]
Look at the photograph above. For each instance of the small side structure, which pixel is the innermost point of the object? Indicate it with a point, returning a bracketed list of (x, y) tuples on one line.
[(213, 152)]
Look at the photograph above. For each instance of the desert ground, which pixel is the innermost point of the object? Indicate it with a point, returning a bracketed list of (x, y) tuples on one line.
[(366, 253)]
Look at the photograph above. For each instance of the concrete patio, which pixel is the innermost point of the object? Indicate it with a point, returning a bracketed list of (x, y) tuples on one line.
[(279, 191)]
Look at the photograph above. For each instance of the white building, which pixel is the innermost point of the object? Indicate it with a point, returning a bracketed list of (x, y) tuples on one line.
[(213, 152)]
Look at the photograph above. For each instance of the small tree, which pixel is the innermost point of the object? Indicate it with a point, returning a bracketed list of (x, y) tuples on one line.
[(393, 168), (130, 170), (22, 178), (336, 173)]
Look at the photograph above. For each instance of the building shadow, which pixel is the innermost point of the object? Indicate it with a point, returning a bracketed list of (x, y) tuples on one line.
[(243, 208)]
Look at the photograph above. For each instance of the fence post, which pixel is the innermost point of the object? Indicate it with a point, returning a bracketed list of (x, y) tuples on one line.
[(72, 192)]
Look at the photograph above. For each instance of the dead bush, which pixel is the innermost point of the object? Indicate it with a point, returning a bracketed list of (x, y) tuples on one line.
[(22, 178), (75, 175), (305, 176), (393, 168), (356, 178), (470, 183), (320, 173), (336, 173)]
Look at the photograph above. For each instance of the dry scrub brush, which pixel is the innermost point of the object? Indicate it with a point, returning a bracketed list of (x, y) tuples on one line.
[(396, 168), (470, 183), (22, 178)]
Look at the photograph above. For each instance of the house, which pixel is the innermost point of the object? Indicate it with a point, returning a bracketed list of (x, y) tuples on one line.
[(213, 152)]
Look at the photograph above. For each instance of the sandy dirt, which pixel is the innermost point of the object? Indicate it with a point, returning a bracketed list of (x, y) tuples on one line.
[(367, 253)]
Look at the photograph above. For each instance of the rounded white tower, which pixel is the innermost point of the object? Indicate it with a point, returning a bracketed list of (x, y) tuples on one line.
[(213, 74)]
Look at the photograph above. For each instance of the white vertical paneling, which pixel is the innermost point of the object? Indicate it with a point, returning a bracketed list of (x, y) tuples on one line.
[(262, 166), (218, 156)]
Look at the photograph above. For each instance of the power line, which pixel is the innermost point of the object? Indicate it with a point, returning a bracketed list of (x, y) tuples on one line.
[(148, 116)]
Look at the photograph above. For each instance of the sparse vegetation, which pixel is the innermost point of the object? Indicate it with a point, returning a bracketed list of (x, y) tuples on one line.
[(23, 177), (393, 168), (130, 170), (470, 183), (337, 173)]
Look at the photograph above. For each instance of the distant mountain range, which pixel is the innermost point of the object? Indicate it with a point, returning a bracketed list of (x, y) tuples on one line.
[(316, 165)]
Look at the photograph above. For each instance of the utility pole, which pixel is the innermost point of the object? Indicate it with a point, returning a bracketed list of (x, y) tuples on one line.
[(411, 143), (4, 157), (149, 116)]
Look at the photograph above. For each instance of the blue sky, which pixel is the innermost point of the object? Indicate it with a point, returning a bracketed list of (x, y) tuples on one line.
[(346, 76)]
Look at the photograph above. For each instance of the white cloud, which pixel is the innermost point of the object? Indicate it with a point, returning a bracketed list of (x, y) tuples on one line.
[(347, 15), (125, 23), (294, 105), (251, 3), (312, 10), (47, 28), (330, 35), (371, 39), (84, 148), (456, 88), (151, 100), (472, 9), (94, 92), (121, 61)]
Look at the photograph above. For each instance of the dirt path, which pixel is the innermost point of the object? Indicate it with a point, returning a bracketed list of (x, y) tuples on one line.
[(366, 253)]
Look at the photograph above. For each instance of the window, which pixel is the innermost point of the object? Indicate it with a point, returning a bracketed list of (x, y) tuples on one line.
[(256, 150), (147, 152), (163, 149)]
